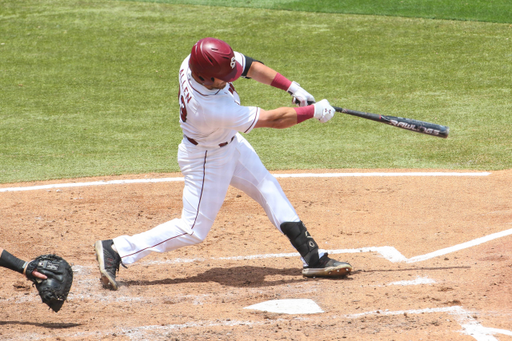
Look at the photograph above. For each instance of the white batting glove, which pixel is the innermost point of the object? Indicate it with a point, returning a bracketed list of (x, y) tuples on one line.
[(323, 111), (300, 96)]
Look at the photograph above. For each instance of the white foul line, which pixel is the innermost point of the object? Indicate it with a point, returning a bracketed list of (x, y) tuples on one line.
[(377, 174), (300, 175), (92, 183)]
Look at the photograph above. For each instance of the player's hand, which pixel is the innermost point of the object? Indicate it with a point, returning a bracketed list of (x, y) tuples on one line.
[(300, 96), (323, 111), (34, 273)]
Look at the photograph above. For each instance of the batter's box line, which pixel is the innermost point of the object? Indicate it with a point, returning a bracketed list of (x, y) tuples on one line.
[(470, 326), (388, 252)]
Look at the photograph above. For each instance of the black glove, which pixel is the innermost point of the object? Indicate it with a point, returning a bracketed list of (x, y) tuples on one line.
[(55, 289)]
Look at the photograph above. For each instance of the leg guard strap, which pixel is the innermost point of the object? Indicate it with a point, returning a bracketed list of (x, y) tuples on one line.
[(302, 241)]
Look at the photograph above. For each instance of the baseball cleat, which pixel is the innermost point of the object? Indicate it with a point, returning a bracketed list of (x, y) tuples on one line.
[(108, 261), (327, 267)]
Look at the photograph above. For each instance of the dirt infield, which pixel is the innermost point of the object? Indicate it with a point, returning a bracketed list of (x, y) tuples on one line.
[(421, 268)]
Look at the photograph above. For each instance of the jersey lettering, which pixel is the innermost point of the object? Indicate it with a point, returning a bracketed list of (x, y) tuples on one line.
[(183, 108), (184, 96)]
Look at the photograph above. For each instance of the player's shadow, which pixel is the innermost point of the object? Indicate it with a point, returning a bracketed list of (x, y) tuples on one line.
[(42, 325), (239, 276)]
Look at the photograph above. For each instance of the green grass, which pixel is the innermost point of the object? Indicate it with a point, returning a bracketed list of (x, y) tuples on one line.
[(476, 10), (90, 88)]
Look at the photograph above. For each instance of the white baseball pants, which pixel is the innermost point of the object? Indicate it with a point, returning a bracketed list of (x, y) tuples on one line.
[(208, 174)]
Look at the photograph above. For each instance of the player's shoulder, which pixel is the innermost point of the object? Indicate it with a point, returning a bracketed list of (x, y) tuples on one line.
[(184, 63)]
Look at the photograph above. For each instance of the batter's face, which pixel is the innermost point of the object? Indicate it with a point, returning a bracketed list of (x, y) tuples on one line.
[(217, 84)]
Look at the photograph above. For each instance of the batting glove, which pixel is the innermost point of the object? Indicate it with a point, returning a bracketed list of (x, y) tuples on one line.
[(323, 111), (300, 96)]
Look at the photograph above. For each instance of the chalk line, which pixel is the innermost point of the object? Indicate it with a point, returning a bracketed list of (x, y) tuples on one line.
[(378, 174), (388, 252), (470, 326), (417, 281), (179, 179), (92, 183), (459, 247), (288, 306)]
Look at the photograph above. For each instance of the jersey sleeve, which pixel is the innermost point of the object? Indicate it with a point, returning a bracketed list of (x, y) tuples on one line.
[(246, 63), (240, 58)]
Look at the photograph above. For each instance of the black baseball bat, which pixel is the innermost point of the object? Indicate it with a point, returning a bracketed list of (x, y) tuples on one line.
[(400, 122)]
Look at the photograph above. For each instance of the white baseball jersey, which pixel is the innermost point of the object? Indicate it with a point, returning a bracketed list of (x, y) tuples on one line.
[(212, 117), (212, 156)]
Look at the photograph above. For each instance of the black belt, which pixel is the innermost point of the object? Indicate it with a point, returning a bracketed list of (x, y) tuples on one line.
[(194, 142)]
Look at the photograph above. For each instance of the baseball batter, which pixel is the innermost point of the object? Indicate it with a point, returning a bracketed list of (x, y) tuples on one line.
[(214, 155)]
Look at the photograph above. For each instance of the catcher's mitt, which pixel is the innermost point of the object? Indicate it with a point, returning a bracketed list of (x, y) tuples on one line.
[(53, 290)]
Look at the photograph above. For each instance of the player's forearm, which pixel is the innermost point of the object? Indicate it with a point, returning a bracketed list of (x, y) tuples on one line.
[(265, 75), (279, 118), (284, 117), (11, 262), (261, 73)]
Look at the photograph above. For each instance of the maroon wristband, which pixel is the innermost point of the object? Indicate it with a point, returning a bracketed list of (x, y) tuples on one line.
[(305, 113), (281, 82)]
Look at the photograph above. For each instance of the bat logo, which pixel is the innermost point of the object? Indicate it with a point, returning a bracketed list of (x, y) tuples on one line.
[(414, 127), (404, 125), (431, 129)]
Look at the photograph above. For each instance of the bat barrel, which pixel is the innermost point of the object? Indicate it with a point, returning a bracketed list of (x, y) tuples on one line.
[(427, 128)]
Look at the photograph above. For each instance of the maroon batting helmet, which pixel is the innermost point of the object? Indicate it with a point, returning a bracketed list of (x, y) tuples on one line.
[(211, 58)]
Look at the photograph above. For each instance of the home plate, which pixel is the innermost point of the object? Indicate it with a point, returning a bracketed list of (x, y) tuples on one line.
[(289, 306)]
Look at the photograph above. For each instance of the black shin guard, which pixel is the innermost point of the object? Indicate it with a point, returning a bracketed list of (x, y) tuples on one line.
[(302, 241)]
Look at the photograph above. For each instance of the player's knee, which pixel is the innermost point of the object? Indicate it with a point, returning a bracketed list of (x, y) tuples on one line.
[(195, 230), (196, 238)]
